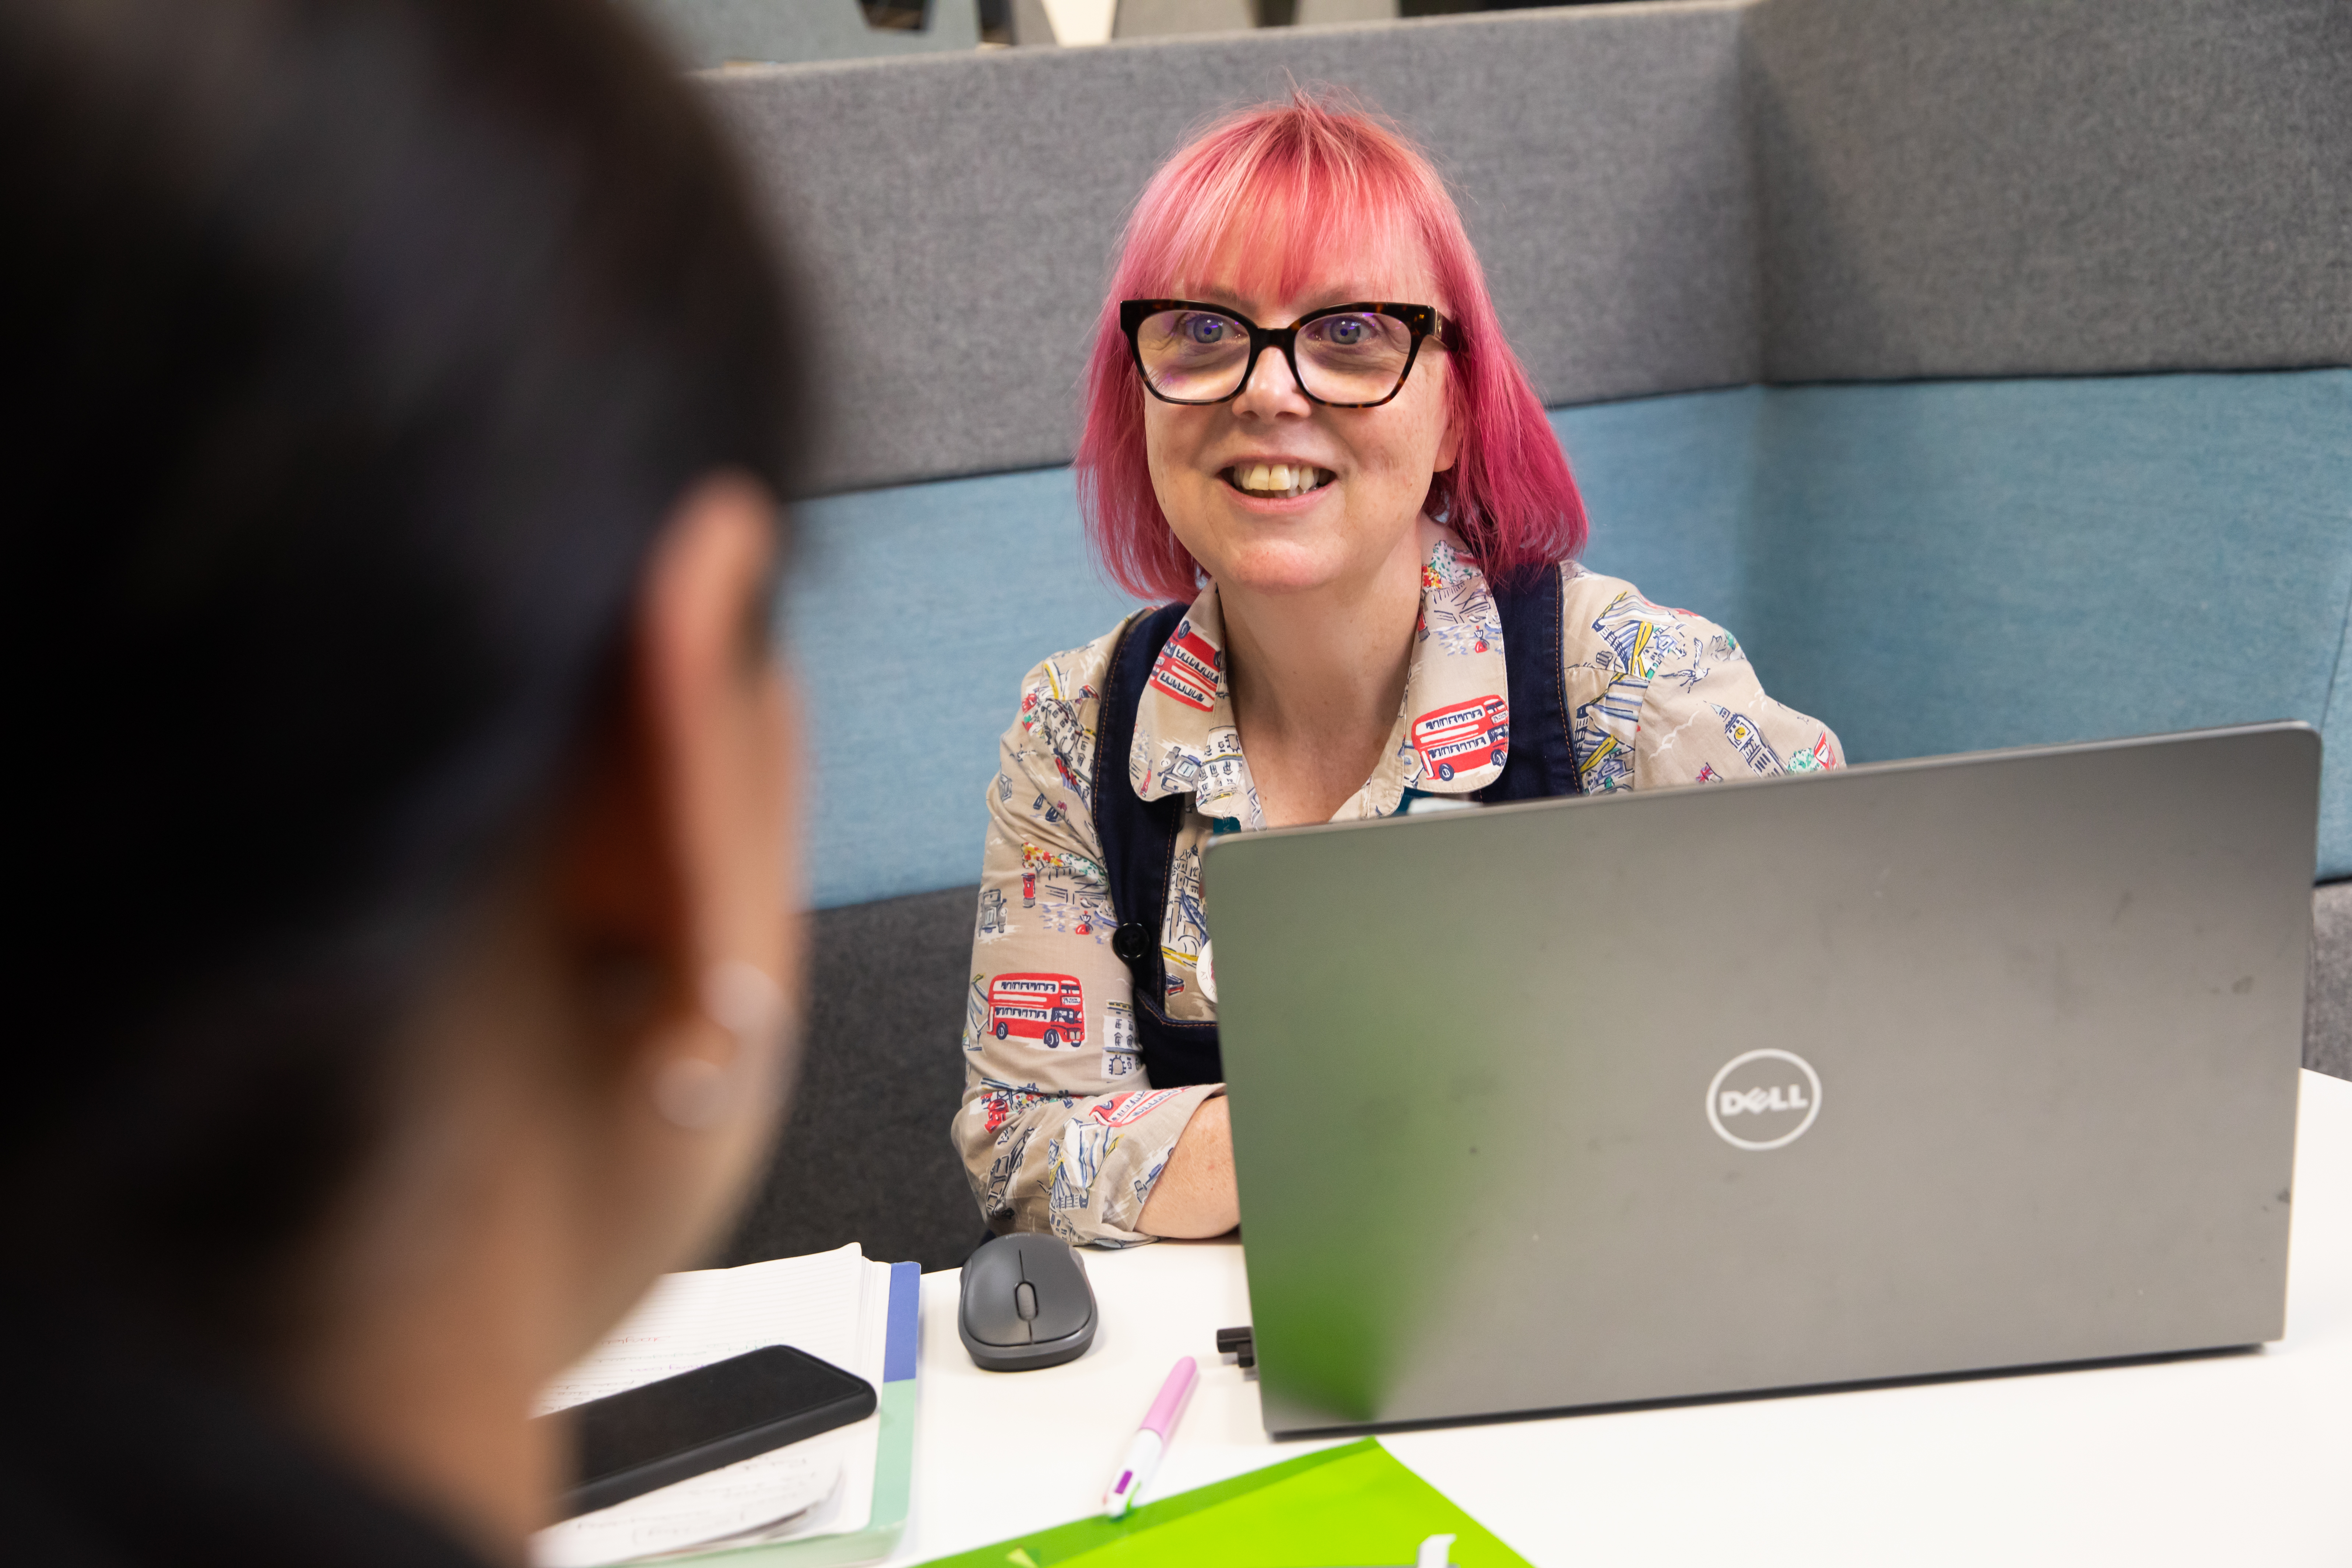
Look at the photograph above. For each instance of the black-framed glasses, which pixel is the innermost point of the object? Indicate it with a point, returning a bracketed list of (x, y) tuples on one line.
[(1349, 356)]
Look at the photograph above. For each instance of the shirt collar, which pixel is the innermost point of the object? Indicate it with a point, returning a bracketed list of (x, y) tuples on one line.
[(1450, 736)]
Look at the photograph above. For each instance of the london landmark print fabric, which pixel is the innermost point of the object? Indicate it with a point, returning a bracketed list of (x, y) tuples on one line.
[(1060, 1129)]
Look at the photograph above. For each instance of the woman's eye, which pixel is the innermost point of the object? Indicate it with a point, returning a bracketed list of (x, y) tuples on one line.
[(1344, 332), (1203, 331)]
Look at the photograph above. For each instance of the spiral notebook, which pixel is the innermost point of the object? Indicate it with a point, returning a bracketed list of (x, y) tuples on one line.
[(839, 1497)]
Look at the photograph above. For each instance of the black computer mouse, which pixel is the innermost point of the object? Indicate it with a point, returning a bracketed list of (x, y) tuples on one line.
[(1026, 1304)]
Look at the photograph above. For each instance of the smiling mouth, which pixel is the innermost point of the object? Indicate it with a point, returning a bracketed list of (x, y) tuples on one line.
[(1277, 481)]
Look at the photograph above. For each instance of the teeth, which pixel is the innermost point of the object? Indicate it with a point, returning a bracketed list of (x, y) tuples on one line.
[(1279, 479)]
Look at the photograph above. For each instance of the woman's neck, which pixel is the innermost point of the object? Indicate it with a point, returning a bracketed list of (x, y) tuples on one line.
[(1316, 678)]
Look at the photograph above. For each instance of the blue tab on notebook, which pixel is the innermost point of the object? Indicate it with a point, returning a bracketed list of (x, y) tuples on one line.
[(906, 1321)]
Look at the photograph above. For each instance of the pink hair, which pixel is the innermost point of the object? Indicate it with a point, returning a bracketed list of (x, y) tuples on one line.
[(1278, 189)]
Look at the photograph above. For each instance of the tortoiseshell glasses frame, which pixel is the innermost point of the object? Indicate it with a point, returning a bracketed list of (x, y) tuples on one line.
[(1419, 324)]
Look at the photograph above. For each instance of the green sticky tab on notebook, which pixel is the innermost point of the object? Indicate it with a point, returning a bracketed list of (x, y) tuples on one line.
[(1353, 1506)]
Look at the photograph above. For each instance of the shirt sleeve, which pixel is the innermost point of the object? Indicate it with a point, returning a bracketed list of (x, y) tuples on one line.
[(1059, 1128), (1667, 698)]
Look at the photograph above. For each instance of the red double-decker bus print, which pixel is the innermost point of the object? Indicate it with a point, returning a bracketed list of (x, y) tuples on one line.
[(1187, 669), (1465, 736), (1048, 1009)]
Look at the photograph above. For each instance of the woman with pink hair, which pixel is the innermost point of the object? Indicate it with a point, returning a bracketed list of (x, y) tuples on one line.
[(1305, 432)]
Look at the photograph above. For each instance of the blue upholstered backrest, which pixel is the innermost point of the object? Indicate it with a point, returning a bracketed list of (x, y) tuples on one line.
[(1955, 222), (1929, 567), (1947, 566), (912, 615)]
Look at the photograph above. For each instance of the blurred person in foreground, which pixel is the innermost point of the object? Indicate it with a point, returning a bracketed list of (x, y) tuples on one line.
[(400, 830)]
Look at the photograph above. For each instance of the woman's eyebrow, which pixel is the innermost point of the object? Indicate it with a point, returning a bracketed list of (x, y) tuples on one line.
[(1324, 298), (1315, 299)]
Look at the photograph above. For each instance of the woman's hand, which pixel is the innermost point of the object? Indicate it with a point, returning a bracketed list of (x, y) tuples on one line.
[(1195, 1194)]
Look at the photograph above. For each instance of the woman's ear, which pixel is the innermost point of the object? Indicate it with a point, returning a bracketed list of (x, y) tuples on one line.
[(673, 856), (677, 877), (598, 1071), (1449, 440), (711, 716)]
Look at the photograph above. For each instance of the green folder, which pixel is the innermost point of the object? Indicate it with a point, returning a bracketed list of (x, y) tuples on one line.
[(1353, 1506)]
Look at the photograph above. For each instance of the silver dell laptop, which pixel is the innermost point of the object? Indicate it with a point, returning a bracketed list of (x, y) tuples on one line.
[(1918, 1069)]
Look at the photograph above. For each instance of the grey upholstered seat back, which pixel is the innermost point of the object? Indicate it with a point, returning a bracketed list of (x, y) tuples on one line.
[(1665, 198)]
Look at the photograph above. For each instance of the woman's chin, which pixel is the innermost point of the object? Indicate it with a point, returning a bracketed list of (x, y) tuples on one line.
[(1312, 543), (1285, 567)]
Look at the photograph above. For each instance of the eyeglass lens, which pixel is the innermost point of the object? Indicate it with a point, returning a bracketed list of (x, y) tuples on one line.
[(1202, 356)]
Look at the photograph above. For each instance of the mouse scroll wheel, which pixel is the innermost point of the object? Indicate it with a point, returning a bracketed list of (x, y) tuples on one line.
[(1025, 1301)]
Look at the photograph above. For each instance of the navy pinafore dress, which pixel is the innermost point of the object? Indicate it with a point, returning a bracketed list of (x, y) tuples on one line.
[(1138, 836)]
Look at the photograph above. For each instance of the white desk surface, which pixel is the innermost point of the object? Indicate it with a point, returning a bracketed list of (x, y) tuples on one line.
[(2236, 1459)]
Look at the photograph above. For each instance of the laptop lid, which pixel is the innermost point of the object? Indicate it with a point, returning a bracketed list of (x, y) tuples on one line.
[(1913, 1068)]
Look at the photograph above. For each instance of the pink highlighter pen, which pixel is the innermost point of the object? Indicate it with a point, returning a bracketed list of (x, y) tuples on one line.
[(1151, 1438)]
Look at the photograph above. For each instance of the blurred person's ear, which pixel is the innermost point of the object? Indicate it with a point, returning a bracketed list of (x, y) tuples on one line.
[(677, 888), (602, 1069)]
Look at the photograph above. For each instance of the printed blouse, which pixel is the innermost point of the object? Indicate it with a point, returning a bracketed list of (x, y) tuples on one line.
[(1059, 1127)]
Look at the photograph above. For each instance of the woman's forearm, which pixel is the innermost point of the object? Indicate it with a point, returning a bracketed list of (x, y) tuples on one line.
[(1195, 1194)]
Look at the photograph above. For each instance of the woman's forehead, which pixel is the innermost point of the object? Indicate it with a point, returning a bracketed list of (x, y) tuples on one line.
[(1271, 262)]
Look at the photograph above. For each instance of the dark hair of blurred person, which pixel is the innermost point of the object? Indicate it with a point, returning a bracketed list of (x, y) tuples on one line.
[(399, 793)]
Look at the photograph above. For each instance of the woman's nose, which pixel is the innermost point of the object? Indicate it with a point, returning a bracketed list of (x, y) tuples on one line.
[(1271, 390)]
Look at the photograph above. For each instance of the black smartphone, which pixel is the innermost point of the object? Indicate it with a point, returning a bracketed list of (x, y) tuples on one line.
[(625, 1444)]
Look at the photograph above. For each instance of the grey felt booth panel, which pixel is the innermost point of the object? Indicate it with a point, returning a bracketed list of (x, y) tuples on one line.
[(955, 216), (2327, 1016), (2011, 187), (865, 1154), (1665, 197)]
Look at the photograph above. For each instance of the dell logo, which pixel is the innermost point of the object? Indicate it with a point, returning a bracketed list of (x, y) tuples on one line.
[(1763, 1099)]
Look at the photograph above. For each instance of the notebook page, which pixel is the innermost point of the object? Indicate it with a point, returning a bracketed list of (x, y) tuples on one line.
[(693, 1319), (851, 1506), (834, 1305), (750, 1498)]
